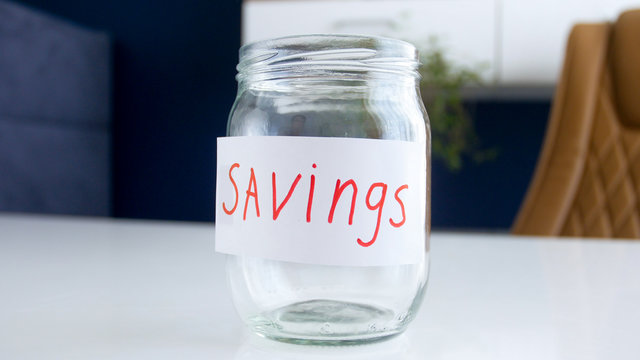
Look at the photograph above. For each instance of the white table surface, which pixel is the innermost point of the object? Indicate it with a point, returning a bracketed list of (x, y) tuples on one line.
[(78, 288)]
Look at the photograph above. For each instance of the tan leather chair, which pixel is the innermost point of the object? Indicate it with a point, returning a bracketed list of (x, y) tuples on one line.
[(587, 180)]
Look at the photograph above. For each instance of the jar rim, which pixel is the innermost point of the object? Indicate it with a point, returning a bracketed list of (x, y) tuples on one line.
[(333, 54)]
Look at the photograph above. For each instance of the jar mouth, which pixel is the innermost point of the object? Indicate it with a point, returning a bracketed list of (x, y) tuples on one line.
[(327, 56)]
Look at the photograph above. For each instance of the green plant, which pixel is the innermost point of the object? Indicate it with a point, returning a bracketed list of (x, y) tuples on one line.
[(452, 129)]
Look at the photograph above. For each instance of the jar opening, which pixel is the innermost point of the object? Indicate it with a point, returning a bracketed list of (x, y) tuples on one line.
[(335, 57)]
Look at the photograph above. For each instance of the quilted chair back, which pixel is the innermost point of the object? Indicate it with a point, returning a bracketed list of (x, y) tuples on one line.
[(587, 180)]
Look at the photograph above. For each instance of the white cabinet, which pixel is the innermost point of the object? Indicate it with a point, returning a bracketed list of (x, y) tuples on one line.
[(533, 35), (465, 28), (518, 43)]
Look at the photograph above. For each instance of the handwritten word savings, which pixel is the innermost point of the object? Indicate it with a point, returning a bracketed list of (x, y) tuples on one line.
[(347, 192)]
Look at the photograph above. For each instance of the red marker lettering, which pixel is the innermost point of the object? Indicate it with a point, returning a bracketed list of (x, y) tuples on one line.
[(276, 211), (311, 189), (254, 193), (378, 206), (336, 196), (235, 189), (393, 223)]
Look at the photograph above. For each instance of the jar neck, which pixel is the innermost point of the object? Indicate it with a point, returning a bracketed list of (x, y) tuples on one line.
[(327, 84), (327, 63)]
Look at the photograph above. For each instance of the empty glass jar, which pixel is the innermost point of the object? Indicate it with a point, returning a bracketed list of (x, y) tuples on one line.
[(342, 88)]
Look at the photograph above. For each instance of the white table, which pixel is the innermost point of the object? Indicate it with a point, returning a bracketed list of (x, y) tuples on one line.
[(78, 288)]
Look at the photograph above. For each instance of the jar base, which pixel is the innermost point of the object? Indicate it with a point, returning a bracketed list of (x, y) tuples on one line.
[(329, 322)]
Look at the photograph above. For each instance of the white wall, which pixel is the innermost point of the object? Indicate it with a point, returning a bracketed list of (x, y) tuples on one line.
[(519, 42)]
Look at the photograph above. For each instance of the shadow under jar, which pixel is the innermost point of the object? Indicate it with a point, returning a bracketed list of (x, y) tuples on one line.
[(340, 87)]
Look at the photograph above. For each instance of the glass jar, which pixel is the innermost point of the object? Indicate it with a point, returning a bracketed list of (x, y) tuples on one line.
[(332, 86)]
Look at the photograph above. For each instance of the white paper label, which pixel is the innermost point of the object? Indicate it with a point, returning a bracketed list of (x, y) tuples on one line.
[(318, 200)]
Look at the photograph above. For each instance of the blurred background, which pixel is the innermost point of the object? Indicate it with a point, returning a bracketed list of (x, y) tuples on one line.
[(112, 108)]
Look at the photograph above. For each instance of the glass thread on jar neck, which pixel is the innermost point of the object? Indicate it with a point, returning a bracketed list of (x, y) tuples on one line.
[(326, 61)]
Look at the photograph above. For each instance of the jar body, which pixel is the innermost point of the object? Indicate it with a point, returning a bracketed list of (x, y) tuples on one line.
[(328, 304)]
